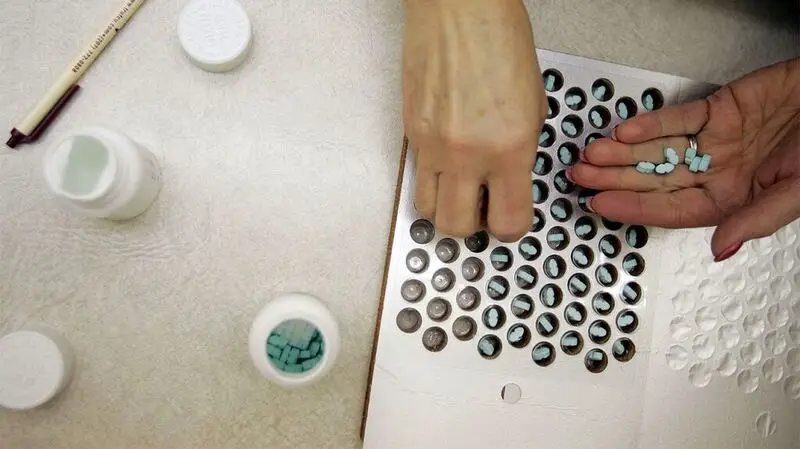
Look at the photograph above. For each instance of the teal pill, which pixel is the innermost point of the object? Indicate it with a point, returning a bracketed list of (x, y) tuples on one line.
[(597, 331), (705, 162), (294, 368), (558, 211), (561, 184), (277, 340), (539, 168), (649, 102), (578, 284), (622, 111), (604, 275), (537, 193), (570, 342), (629, 293), (625, 320), (583, 230), (601, 304), (524, 305), (305, 354), (285, 353), (498, 287), (671, 156), (552, 268), (516, 335), (663, 169), (632, 238), (596, 118), (599, 92), (645, 167), (314, 349), (273, 351), (550, 83), (569, 129), (565, 156), (555, 238), (581, 259), (629, 264), (543, 137), (573, 100), (596, 356), (293, 355), (546, 325), (695, 165), (619, 348), (689, 155), (525, 276), (607, 248), (541, 353), (486, 347), (309, 364), (574, 315)]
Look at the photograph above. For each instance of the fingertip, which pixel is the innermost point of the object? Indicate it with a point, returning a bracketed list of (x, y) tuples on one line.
[(510, 211)]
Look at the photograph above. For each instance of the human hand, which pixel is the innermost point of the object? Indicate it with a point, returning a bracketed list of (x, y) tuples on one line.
[(474, 106), (750, 127)]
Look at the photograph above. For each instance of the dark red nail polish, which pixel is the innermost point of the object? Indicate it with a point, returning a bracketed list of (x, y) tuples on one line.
[(728, 252)]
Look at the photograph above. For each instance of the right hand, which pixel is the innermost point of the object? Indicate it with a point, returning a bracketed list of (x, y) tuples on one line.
[(474, 106)]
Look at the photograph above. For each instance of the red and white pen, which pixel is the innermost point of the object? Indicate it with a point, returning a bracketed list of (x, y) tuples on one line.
[(54, 100)]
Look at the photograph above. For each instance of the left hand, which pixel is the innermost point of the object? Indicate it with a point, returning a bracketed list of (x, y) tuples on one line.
[(750, 127)]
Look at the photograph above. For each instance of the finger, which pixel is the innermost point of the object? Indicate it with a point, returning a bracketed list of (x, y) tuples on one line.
[(772, 209), (426, 192), (627, 178), (457, 206), (680, 120), (607, 152), (510, 211), (681, 209)]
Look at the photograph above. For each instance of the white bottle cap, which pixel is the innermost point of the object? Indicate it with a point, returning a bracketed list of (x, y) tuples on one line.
[(215, 34), (35, 365), (294, 340)]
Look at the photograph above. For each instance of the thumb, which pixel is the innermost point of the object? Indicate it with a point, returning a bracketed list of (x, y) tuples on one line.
[(769, 211)]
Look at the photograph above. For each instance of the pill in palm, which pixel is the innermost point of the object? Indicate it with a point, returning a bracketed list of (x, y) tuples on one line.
[(663, 169), (596, 119), (695, 165), (689, 155), (645, 167), (705, 162), (573, 100), (671, 156), (569, 129)]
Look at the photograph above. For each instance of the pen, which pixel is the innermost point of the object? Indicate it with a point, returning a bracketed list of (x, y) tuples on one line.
[(54, 100)]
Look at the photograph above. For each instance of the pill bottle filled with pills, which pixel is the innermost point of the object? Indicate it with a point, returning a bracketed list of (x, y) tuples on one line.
[(100, 173), (294, 340)]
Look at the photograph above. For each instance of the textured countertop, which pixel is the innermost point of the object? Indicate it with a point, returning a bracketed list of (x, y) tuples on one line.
[(278, 177)]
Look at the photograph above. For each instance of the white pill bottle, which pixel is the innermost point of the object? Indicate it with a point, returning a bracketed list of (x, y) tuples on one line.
[(101, 173), (290, 316)]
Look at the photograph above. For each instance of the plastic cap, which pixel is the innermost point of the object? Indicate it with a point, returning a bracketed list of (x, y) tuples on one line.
[(35, 365), (215, 34)]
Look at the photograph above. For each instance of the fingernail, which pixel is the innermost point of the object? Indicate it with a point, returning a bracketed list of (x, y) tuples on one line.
[(614, 133), (588, 204), (728, 252), (582, 155), (568, 173)]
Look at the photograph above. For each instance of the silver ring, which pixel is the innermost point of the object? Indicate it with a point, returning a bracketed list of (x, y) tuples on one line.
[(692, 141)]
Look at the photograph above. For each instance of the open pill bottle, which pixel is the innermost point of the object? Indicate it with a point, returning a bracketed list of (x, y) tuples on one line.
[(101, 173), (294, 340)]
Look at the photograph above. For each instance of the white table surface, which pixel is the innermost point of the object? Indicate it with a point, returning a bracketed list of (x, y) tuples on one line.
[(278, 177)]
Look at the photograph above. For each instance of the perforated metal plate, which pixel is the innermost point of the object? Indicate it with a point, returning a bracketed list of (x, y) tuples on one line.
[(568, 314)]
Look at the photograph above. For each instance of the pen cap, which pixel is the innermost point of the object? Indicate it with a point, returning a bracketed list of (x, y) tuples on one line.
[(101, 173), (35, 366), (294, 340)]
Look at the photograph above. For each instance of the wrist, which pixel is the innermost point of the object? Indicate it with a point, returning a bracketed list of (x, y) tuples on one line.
[(459, 4)]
